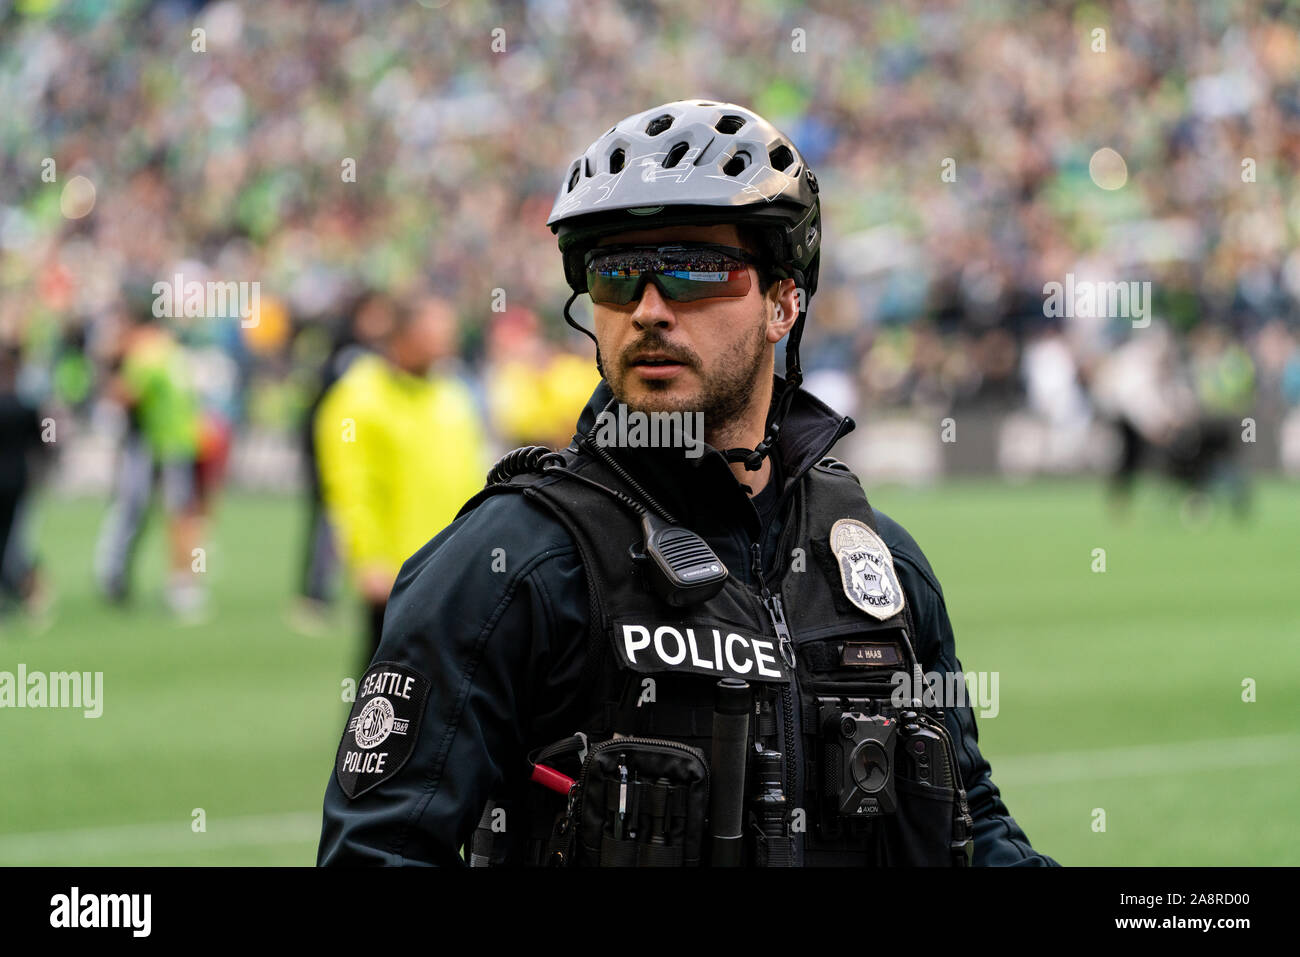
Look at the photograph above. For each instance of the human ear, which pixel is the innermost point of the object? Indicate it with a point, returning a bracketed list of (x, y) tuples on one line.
[(785, 310)]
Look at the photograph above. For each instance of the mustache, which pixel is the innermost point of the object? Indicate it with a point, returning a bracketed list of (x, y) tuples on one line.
[(656, 344)]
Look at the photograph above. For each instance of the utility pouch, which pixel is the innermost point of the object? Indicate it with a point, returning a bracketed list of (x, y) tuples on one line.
[(641, 802), (918, 833), (932, 826)]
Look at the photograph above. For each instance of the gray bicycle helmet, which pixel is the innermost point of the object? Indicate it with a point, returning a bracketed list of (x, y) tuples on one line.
[(697, 162)]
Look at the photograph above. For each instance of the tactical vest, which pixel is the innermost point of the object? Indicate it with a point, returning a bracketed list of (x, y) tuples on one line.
[(811, 656)]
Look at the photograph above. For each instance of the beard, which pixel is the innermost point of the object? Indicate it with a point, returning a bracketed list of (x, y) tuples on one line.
[(722, 396)]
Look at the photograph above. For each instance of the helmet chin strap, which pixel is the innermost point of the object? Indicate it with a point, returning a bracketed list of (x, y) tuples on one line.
[(586, 332), (753, 458)]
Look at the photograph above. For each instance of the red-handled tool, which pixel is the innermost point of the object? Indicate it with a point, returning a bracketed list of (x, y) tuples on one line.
[(553, 779)]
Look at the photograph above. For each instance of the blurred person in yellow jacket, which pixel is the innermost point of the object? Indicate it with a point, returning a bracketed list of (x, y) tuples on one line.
[(535, 390), (401, 446)]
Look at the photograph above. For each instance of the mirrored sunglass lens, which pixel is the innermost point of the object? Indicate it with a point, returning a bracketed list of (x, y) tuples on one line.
[(684, 275), (612, 285), (689, 285)]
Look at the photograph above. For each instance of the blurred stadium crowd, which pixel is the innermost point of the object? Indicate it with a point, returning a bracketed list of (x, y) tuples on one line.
[(404, 149)]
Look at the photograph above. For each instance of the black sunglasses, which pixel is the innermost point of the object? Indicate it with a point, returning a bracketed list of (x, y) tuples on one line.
[(683, 272)]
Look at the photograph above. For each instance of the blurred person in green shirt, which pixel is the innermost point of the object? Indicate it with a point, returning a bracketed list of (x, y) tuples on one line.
[(151, 379), (400, 448)]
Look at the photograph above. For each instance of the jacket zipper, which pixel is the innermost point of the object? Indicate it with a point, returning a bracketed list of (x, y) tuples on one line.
[(772, 603)]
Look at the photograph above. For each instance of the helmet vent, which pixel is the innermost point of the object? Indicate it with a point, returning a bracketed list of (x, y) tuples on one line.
[(616, 160), (573, 180), (729, 123), (658, 124), (781, 157), (736, 164), (675, 155), (587, 165)]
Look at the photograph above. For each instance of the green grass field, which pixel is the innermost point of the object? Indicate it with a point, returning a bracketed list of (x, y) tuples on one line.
[(1119, 690)]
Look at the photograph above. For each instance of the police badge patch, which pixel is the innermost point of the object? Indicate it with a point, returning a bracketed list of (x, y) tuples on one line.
[(866, 569), (381, 730)]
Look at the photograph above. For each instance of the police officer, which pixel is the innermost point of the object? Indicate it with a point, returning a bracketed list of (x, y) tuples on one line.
[(687, 638)]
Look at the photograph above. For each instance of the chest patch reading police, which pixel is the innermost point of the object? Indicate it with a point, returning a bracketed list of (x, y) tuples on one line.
[(381, 730), (866, 569), (699, 647)]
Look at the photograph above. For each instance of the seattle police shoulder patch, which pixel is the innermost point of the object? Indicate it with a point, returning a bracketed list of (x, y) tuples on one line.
[(866, 569), (381, 730)]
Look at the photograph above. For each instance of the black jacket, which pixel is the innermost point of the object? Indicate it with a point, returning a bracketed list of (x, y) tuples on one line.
[(493, 614)]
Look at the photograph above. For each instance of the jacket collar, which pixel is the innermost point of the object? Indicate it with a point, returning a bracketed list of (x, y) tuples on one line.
[(690, 486)]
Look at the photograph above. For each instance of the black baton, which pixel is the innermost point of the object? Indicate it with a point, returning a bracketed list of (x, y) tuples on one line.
[(731, 708)]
